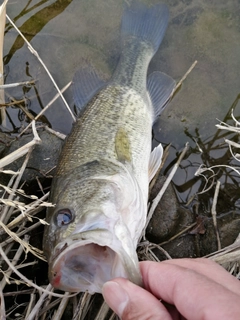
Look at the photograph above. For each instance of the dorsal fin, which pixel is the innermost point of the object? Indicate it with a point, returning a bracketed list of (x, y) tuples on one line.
[(160, 87), (86, 83)]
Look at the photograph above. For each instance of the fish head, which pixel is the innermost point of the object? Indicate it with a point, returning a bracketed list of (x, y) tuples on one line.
[(87, 241)]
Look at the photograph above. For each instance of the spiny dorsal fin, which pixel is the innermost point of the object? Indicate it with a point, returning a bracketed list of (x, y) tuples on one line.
[(86, 83)]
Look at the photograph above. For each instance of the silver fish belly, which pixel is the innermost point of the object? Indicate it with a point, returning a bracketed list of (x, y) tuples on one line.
[(101, 184)]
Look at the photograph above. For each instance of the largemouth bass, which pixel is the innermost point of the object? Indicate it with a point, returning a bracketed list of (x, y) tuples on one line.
[(101, 184)]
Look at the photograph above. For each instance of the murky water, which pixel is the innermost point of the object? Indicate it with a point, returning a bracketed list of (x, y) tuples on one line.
[(67, 33)]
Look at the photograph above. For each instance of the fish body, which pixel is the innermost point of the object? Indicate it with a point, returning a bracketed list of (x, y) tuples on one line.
[(101, 183)]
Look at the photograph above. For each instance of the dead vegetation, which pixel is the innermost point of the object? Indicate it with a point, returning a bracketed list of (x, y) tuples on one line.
[(20, 217)]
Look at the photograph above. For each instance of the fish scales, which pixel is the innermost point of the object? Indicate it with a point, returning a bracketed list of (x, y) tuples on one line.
[(99, 126), (100, 188)]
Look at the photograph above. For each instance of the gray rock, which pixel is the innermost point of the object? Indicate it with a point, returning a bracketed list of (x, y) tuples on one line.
[(169, 218), (43, 158)]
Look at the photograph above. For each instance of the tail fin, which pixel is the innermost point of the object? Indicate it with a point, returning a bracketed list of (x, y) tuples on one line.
[(148, 24)]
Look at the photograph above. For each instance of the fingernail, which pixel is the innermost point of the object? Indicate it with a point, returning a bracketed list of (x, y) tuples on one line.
[(115, 296)]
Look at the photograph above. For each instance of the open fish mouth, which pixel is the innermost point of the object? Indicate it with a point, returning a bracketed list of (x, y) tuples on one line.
[(85, 266)]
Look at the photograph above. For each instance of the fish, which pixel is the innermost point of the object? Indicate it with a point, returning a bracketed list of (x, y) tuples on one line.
[(100, 188)]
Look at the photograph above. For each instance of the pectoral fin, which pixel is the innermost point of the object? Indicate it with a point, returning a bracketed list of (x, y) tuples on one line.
[(155, 161)]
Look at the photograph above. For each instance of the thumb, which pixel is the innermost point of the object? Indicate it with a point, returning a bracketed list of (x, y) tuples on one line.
[(132, 302)]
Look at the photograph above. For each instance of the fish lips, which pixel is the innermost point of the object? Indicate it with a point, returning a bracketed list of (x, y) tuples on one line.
[(84, 263)]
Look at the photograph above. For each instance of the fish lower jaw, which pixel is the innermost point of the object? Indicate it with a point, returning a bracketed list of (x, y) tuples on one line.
[(86, 267)]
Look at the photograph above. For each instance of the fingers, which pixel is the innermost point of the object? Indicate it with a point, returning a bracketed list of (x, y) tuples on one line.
[(198, 288), (210, 269), (132, 302), (195, 295)]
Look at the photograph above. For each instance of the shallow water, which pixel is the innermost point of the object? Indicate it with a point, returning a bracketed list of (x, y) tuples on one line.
[(67, 33)]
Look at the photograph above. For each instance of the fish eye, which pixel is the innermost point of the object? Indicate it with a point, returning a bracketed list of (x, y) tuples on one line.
[(64, 217)]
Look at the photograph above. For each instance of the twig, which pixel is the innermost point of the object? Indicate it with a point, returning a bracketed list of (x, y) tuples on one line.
[(2, 27), (232, 115), (103, 311), (2, 306), (26, 230), (51, 305), (47, 106), (37, 306), (33, 208), (28, 248), (185, 76), (62, 307), (200, 170), (113, 316), (229, 128), (152, 257), (234, 247), (34, 52), (3, 7), (17, 256), (27, 264), (6, 212), (205, 189), (82, 304), (153, 245), (27, 281), (16, 84), (56, 133), (43, 312), (227, 257), (164, 187), (7, 104), (232, 143), (31, 304), (22, 150), (214, 213), (9, 172)]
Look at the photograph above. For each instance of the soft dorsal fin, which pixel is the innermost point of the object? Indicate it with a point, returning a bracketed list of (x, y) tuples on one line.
[(86, 83), (160, 87), (155, 161)]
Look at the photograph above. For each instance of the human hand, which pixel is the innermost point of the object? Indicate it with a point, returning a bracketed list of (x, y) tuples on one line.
[(192, 289)]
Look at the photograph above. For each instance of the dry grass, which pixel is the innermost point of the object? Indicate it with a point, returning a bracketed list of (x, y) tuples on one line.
[(19, 218)]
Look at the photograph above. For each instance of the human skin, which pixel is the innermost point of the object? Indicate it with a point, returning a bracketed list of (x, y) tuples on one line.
[(192, 289)]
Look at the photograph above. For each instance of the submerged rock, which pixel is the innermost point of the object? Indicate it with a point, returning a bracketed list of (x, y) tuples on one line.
[(5, 141), (170, 218), (43, 158)]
